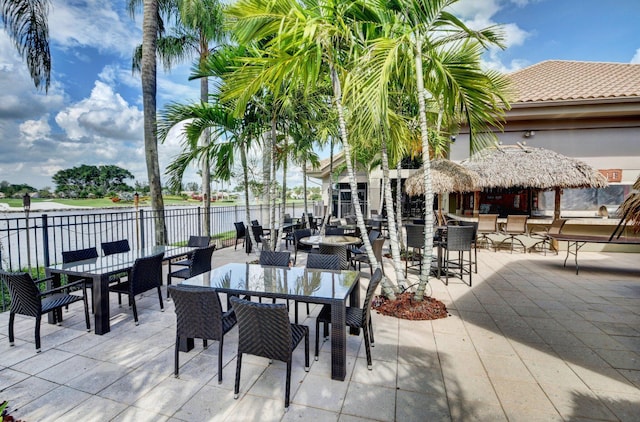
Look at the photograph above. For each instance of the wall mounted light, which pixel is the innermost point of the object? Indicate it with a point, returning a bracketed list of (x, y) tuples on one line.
[(529, 133), (452, 138)]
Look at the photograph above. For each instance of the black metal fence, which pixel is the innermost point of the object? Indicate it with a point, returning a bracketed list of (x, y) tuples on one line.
[(37, 240)]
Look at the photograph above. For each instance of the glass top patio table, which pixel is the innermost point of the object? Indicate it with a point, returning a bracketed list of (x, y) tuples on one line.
[(333, 244), (101, 268), (305, 285)]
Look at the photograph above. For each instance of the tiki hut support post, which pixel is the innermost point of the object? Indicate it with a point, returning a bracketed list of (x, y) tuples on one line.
[(476, 203), (556, 205)]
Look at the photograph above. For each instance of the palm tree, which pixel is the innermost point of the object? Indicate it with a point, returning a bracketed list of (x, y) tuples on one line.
[(148, 66), (231, 134), (301, 42), (420, 38), (199, 24), (26, 23)]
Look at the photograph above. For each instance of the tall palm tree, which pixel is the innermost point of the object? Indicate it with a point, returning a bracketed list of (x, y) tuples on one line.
[(419, 38), (149, 71), (301, 40), (198, 23), (26, 23)]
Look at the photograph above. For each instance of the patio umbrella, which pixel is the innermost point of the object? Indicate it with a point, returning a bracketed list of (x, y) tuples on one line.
[(630, 208), (507, 166), (446, 176)]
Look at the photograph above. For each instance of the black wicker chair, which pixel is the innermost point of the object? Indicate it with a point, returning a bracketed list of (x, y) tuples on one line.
[(27, 299), (275, 259), (474, 243), (241, 233), (80, 255), (415, 243), (260, 235), (355, 318), (460, 240), (297, 246), (117, 246), (200, 260), (377, 245), (194, 242), (334, 231), (199, 314), (264, 330), (323, 261), (146, 274), (354, 251), (313, 226), (111, 248)]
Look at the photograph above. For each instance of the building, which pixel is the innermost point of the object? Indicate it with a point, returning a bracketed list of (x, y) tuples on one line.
[(585, 110)]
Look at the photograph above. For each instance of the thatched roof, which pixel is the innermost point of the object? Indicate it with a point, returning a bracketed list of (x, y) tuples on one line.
[(630, 208), (446, 176), (508, 166)]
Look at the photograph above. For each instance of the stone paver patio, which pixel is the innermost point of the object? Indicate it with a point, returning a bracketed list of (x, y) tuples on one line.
[(529, 341)]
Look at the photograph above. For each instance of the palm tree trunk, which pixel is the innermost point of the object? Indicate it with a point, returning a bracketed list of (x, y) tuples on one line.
[(272, 184), (399, 202), (148, 73), (391, 223), (204, 140), (284, 197), (327, 215), (245, 175), (428, 189), (337, 95)]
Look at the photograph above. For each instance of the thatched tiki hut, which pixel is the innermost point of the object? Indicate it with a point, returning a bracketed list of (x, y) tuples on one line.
[(446, 176), (509, 166), (630, 208)]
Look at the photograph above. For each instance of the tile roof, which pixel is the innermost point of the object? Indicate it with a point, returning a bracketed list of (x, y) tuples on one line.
[(557, 80)]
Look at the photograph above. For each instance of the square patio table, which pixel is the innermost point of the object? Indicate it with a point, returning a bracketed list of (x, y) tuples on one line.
[(100, 269), (301, 284)]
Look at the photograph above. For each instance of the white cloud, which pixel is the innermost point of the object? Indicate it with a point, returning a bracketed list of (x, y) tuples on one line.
[(636, 57), (93, 23), (32, 130), (105, 114)]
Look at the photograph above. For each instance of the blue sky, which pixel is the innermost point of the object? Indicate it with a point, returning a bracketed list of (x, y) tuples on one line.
[(93, 111)]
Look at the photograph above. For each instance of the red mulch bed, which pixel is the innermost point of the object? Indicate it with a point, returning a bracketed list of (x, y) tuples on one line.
[(406, 307)]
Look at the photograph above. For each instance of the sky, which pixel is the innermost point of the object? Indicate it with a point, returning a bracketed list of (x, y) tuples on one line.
[(92, 113)]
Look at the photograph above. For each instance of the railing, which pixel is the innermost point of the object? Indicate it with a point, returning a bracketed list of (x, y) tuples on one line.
[(38, 240)]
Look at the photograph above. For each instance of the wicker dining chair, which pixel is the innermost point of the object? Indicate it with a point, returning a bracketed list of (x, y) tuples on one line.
[(459, 240), (474, 243), (355, 318), (200, 260), (415, 245), (297, 246), (194, 242), (241, 233), (264, 330), (199, 314), (275, 259), (27, 299), (117, 246), (323, 261), (146, 274), (80, 255), (376, 245), (112, 248)]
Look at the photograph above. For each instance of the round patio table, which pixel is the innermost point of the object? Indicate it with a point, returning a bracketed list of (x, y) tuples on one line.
[(333, 244)]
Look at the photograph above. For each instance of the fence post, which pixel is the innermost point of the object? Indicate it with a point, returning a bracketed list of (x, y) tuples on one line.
[(45, 240), (142, 237), (199, 221)]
